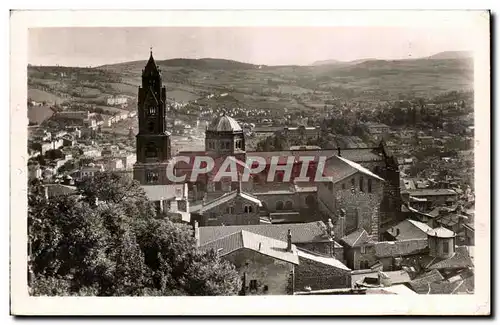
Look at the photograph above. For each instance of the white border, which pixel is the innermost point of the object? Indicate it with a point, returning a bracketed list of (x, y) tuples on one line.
[(22, 304)]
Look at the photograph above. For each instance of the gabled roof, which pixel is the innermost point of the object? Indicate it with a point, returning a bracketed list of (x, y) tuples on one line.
[(164, 192), (264, 245), (409, 229), (441, 232), (400, 248), (338, 168), (312, 232), (360, 168), (357, 238), (227, 197), (327, 260)]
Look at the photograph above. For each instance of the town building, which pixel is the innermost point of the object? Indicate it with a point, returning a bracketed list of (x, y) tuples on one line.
[(266, 265)]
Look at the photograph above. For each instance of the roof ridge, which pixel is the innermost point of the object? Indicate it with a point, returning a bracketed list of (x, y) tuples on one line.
[(223, 237)]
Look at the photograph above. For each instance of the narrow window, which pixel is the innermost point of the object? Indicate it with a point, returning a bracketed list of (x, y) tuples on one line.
[(369, 185), (343, 186), (446, 248), (361, 184), (253, 285), (353, 182)]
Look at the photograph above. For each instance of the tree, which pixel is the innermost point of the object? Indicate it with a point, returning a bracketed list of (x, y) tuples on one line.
[(117, 247), (111, 187)]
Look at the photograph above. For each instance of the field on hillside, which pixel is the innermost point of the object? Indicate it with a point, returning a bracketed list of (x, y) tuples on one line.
[(44, 96), (260, 87), (38, 114)]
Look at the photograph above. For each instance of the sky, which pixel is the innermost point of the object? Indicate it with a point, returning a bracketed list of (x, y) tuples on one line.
[(94, 46)]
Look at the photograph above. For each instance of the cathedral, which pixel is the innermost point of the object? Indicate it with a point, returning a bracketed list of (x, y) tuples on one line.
[(153, 147), (362, 191)]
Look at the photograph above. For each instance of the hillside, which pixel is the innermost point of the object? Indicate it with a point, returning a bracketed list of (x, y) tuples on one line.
[(296, 88), (450, 55)]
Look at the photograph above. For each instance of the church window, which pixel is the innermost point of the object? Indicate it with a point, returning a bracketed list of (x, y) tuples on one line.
[(230, 210), (152, 177), (279, 205), (152, 110), (288, 205)]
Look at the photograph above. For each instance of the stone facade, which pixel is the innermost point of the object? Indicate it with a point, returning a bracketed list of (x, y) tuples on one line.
[(361, 204), (318, 276), (268, 273), (234, 212)]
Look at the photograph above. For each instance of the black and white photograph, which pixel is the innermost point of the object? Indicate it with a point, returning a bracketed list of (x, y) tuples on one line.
[(253, 158)]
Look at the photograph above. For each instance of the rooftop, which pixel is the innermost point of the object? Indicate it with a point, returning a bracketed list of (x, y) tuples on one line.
[(224, 123), (461, 259), (409, 229), (227, 197), (441, 232), (356, 238), (327, 260), (164, 192), (301, 232), (400, 248), (264, 245), (431, 192)]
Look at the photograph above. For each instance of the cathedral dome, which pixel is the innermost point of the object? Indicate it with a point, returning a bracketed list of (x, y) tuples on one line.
[(224, 124)]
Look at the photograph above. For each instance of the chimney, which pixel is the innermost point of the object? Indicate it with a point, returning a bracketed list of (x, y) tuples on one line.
[(359, 220), (330, 228), (338, 152), (197, 233), (161, 204), (342, 223), (185, 196), (289, 241), (239, 183)]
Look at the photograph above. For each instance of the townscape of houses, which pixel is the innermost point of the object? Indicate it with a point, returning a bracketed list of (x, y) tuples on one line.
[(368, 229)]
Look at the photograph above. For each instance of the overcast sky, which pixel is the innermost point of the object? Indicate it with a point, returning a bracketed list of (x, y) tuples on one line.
[(258, 45)]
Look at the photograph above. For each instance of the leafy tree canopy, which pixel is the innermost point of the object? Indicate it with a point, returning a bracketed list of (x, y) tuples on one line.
[(116, 248)]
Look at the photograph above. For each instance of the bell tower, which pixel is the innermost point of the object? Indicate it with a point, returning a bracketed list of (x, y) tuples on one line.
[(153, 140)]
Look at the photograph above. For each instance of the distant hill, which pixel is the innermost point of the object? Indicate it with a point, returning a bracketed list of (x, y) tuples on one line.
[(448, 55), (328, 62), (205, 63), (341, 63), (295, 88)]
